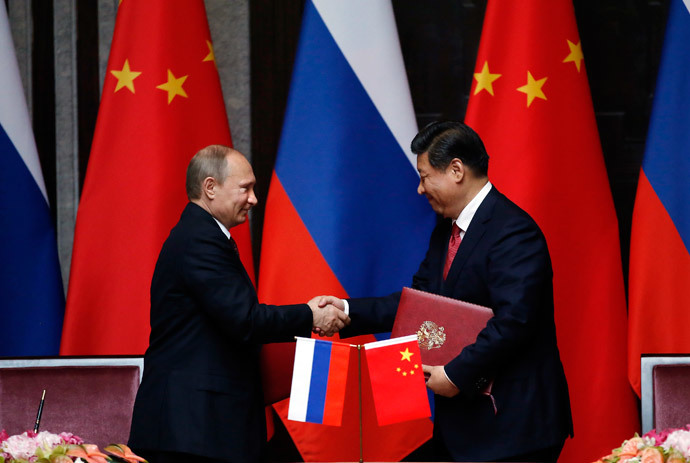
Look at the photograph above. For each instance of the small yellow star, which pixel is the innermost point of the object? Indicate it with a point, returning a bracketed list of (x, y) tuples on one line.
[(411, 372), (575, 55), (406, 354), (173, 86), (125, 77), (404, 373), (211, 56), (485, 80), (398, 370), (416, 366), (533, 88)]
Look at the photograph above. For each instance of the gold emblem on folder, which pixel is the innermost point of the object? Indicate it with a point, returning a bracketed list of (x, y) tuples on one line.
[(430, 335)]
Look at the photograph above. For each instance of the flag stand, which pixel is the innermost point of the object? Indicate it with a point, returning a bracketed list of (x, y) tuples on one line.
[(359, 371)]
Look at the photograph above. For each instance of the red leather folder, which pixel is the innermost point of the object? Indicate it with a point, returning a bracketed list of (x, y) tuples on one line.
[(444, 326)]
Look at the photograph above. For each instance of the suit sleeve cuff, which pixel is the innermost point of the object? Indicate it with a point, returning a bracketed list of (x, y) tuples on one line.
[(347, 307)]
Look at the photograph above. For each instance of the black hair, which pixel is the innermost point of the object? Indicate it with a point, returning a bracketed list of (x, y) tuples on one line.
[(446, 140)]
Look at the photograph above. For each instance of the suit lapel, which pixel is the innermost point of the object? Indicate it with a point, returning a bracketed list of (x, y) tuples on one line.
[(201, 218), (472, 237)]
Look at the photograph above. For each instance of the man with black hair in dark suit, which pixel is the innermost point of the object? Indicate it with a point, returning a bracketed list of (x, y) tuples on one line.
[(484, 250), (201, 398)]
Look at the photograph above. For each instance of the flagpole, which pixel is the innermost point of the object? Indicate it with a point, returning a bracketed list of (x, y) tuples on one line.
[(359, 369)]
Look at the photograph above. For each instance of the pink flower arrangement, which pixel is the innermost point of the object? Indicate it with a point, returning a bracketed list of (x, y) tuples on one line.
[(667, 446), (46, 447)]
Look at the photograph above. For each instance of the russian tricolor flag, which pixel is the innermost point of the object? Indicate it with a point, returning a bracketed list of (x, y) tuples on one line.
[(318, 381), (31, 295), (343, 216), (659, 284)]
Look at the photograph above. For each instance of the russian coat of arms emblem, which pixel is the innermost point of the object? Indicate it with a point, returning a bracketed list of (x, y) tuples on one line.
[(430, 335)]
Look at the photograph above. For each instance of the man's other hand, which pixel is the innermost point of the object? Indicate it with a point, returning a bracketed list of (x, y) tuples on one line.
[(438, 382)]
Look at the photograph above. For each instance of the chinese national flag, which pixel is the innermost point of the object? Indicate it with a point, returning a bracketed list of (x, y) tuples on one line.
[(397, 380), (161, 103), (531, 105)]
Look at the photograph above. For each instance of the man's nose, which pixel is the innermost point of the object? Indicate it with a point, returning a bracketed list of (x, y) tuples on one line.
[(252, 199)]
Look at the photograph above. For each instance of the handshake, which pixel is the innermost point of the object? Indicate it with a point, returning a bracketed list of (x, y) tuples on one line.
[(328, 314)]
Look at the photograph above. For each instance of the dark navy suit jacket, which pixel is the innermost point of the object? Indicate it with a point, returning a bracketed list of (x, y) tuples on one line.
[(201, 391), (502, 263)]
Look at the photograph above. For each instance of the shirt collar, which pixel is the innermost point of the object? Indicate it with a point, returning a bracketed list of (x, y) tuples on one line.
[(467, 214), (225, 231)]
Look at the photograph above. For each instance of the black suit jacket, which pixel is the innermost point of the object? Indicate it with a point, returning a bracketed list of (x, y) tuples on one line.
[(201, 390), (503, 263)]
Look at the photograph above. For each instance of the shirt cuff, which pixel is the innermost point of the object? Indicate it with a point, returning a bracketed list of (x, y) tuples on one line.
[(451, 382), (347, 307)]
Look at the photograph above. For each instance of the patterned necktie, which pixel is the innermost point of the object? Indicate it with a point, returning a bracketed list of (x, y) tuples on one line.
[(453, 245)]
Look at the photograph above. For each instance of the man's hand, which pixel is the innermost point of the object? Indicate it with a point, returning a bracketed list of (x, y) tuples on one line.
[(330, 300), (438, 382), (328, 318)]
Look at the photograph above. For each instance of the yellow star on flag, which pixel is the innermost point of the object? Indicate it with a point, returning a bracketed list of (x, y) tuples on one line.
[(533, 88), (125, 77), (575, 55), (173, 86), (406, 355), (411, 372), (211, 56), (485, 80), (404, 373)]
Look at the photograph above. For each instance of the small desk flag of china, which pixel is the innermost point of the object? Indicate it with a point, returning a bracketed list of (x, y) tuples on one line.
[(397, 380)]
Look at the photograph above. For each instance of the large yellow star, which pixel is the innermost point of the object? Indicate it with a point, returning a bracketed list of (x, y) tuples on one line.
[(173, 86), (485, 80), (125, 77), (211, 56), (575, 55), (406, 355), (533, 88)]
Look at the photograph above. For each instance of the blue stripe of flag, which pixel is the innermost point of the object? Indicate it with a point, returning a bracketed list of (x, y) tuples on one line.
[(667, 155), (31, 294), (319, 381), (348, 178)]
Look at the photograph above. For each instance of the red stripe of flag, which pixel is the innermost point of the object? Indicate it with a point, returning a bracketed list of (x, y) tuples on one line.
[(337, 380)]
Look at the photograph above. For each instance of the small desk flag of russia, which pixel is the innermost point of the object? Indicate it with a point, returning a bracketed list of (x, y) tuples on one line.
[(318, 381)]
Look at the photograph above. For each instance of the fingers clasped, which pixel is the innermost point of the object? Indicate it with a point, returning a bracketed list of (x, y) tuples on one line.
[(328, 315)]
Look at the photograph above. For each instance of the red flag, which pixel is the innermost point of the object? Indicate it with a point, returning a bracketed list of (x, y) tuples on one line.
[(397, 380), (531, 105), (162, 102)]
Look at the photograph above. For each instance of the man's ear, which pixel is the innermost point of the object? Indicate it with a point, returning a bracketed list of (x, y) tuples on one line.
[(457, 169), (208, 187)]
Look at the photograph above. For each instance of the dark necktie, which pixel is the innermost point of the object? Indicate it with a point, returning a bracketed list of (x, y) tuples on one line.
[(453, 245), (233, 245)]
